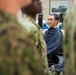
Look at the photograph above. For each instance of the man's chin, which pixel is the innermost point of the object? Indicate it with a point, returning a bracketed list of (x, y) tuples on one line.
[(40, 11)]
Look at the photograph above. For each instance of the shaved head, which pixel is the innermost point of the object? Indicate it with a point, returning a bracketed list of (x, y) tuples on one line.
[(13, 6)]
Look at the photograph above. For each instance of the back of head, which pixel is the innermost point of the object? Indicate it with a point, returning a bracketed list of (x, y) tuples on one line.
[(12, 6), (25, 3)]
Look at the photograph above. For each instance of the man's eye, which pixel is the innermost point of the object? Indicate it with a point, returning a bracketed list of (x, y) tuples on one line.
[(50, 19)]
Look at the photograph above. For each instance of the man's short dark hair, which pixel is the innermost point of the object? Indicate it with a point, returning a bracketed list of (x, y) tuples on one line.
[(55, 16)]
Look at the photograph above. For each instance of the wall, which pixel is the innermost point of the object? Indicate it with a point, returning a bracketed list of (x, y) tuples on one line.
[(45, 4), (45, 9)]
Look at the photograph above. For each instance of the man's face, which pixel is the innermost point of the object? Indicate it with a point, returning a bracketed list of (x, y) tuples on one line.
[(51, 21), (35, 7)]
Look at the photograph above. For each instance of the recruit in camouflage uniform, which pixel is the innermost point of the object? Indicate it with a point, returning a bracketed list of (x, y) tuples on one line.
[(70, 40), (37, 37), (18, 56)]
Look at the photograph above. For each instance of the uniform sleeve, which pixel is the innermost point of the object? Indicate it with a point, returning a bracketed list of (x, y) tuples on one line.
[(18, 55)]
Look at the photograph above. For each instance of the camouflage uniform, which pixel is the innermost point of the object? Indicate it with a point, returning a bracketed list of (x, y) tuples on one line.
[(18, 56), (70, 40), (37, 37)]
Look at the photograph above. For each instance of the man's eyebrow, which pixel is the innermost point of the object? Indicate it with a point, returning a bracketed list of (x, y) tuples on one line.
[(49, 18)]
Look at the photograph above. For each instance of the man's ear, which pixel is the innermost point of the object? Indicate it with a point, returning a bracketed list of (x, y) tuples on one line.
[(57, 21)]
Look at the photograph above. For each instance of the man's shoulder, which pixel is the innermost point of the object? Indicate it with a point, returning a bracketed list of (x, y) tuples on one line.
[(11, 26), (14, 34)]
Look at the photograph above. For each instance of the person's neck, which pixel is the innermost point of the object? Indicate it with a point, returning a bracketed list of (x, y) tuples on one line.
[(33, 16)]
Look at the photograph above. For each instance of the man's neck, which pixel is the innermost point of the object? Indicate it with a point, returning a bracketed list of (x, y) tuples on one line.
[(33, 16)]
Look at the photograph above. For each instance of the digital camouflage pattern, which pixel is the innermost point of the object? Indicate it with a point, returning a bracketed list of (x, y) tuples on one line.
[(52, 71), (70, 40), (37, 37), (18, 56)]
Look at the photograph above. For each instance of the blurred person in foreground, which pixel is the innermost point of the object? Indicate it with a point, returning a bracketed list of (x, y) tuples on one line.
[(18, 55), (53, 37), (70, 40), (28, 19)]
